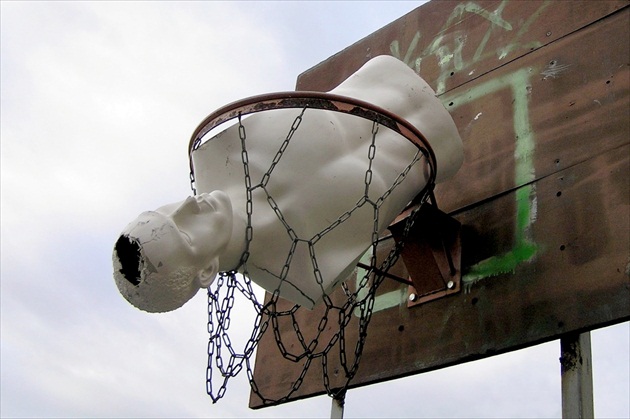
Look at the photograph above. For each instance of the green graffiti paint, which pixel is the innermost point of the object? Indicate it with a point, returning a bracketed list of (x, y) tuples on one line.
[(515, 44), (511, 80), (499, 265), (412, 47), (448, 48), (525, 212), (524, 249), (524, 173), (525, 142), (472, 7), (383, 301), (486, 37)]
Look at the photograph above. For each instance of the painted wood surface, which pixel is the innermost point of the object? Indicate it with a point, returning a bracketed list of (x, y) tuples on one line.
[(540, 94)]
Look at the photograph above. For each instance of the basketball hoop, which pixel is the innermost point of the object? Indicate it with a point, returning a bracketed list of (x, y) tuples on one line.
[(312, 100), (223, 359)]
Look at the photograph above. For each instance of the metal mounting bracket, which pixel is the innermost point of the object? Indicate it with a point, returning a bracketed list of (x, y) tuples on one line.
[(432, 255)]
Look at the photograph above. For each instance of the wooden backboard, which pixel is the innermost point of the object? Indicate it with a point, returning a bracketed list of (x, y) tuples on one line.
[(539, 91)]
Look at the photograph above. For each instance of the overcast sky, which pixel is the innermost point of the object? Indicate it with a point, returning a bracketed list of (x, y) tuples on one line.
[(98, 102)]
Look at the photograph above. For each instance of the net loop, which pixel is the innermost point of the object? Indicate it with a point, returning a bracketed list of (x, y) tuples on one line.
[(330, 338)]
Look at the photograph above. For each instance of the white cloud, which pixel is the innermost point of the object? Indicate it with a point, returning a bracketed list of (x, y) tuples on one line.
[(126, 89), (480, 389)]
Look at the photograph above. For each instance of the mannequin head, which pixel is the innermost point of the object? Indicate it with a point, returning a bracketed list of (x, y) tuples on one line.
[(164, 257)]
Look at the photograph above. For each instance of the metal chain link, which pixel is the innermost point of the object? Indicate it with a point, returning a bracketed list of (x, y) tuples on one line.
[(224, 360)]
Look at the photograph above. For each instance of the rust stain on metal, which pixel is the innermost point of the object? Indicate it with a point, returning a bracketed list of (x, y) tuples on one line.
[(571, 358)]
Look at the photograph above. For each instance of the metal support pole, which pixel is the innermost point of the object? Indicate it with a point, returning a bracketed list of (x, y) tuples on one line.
[(577, 375), (336, 411)]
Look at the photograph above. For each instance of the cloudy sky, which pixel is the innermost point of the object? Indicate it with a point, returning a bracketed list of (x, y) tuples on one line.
[(98, 102)]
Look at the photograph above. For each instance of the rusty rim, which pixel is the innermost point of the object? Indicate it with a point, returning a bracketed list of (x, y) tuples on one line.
[(314, 100)]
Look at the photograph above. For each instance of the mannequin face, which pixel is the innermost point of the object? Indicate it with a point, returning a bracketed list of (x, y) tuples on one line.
[(164, 256), (199, 228)]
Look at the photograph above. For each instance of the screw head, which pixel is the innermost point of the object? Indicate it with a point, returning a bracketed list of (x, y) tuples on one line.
[(450, 285), (413, 297)]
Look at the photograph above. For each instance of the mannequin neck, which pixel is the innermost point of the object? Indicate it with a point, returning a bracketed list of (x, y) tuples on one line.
[(231, 257)]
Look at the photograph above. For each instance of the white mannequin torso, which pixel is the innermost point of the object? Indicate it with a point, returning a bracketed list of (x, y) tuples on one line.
[(321, 175)]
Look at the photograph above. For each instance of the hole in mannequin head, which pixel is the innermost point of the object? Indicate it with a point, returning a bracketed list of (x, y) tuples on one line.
[(128, 252)]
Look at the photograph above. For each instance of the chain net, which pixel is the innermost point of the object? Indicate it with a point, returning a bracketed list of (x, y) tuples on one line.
[(225, 361)]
